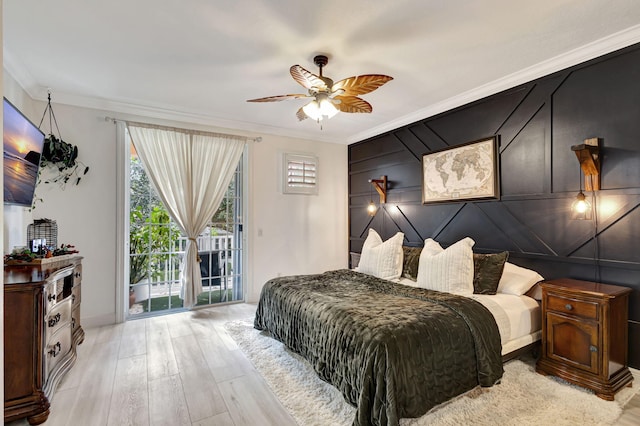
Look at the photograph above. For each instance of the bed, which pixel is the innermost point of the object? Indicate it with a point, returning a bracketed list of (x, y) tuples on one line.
[(392, 347), (517, 317)]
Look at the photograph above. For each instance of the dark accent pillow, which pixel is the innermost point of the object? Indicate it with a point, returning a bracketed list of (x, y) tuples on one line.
[(410, 262), (487, 271)]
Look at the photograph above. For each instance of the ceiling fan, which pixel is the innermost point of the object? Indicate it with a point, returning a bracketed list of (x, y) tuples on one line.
[(329, 97)]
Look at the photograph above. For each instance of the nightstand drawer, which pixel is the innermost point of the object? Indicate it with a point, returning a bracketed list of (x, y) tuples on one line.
[(572, 306)]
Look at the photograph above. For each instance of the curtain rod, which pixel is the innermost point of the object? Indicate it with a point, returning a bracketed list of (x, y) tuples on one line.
[(181, 130)]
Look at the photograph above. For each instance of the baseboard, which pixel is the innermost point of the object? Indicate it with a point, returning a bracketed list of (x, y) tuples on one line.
[(98, 321)]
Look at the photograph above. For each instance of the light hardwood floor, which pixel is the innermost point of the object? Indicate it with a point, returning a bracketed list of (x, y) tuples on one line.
[(180, 369)]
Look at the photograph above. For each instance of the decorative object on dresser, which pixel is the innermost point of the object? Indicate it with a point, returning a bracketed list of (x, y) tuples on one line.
[(41, 332), (585, 335), (42, 229)]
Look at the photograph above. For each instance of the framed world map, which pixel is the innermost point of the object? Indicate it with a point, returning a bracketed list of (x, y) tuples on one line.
[(461, 173)]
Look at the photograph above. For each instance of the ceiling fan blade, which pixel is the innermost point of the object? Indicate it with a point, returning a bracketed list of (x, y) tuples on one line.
[(307, 79), (353, 104), (279, 98), (301, 115), (361, 84)]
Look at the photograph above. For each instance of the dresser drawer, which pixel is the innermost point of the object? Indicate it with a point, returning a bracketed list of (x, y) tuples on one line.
[(572, 306), (59, 288), (75, 295), (52, 294), (57, 347), (75, 319), (57, 317), (77, 275)]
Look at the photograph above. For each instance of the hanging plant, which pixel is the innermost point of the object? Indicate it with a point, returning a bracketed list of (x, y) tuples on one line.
[(60, 155)]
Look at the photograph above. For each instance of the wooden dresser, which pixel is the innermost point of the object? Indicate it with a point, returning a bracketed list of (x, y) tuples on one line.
[(41, 332), (585, 334)]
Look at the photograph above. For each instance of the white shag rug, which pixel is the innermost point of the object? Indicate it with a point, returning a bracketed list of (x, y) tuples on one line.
[(523, 397)]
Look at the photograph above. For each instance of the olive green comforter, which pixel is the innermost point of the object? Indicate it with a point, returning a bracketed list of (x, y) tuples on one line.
[(393, 351)]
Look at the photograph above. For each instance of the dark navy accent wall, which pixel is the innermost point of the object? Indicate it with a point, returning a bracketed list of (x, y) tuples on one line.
[(536, 123)]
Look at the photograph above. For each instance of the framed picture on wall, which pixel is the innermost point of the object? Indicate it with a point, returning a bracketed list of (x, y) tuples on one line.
[(461, 173)]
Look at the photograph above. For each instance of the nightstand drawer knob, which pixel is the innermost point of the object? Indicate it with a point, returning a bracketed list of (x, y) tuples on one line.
[(593, 348), (568, 307)]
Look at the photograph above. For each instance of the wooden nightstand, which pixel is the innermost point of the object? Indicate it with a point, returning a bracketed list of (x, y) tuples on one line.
[(584, 334)]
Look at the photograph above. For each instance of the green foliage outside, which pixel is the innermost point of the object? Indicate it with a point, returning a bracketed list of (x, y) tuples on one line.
[(152, 234), (150, 240)]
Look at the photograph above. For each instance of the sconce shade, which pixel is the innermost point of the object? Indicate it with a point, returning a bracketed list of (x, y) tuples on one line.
[(372, 209), (381, 188), (581, 208)]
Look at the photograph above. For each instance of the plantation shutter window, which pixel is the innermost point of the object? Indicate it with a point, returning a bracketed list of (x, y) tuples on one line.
[(300, 174)]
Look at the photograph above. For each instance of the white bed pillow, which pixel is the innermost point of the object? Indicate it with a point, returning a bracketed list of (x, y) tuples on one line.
[(382, 259), (449, 270), (517, 280)]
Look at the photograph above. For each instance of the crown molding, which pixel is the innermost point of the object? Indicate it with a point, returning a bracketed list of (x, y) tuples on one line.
[(19, 72), (573, 57), (161, 112)]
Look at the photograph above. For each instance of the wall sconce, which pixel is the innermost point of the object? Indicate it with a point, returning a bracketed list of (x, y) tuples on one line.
[(588, 155), (581, 208), (381, 188)]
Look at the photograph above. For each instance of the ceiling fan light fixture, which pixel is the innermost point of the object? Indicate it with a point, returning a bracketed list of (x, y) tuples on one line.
[(312, 110), (329, 97), (327, 108), (320, 108)]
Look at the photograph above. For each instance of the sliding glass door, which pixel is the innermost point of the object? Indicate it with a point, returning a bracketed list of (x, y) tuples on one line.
[(156, 248)]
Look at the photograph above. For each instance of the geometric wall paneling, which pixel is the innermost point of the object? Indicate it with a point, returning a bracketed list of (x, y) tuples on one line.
[(618, 230), (399, 175), (618, 242), (384, 223), (472, 222), (538, 96), (431, 140), (626, 158), (521, 237), (412, 236), (523, 161), (486, 117), (369, 165), (428, 221), (608, 110), (377, 147), (412, 143), (548, 221), (537, 123)]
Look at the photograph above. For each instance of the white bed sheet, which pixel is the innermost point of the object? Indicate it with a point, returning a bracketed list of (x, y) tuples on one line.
[(518, 317)]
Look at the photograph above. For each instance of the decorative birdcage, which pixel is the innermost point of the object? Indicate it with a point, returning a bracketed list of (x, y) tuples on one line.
[(40, 229)]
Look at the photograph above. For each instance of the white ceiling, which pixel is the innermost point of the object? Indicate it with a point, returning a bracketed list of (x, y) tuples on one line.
[(199, 60)]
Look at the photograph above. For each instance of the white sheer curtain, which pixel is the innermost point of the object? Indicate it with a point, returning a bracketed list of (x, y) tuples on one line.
[(191, 172)]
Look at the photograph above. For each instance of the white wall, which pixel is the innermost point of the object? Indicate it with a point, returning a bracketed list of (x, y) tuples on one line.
[(296, 234), (300, 234)]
